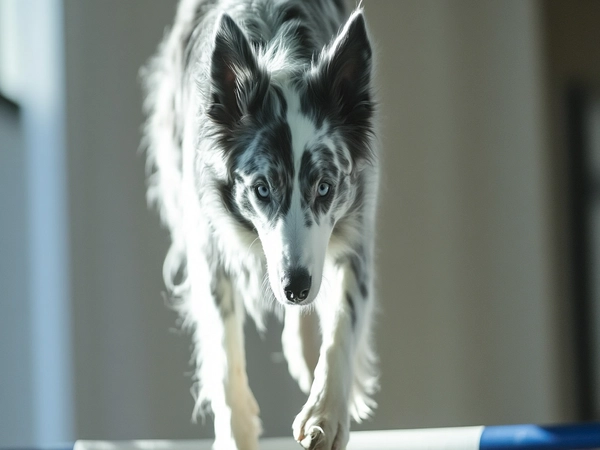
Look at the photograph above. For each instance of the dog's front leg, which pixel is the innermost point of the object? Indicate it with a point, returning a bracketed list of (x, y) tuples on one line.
[(324, 422), (221, 361), (236, 410)]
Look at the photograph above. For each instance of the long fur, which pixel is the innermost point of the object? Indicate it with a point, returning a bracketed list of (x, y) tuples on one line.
[(262, 162)]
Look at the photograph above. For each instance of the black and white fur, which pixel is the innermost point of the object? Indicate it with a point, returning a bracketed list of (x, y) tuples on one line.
[(262, 160)]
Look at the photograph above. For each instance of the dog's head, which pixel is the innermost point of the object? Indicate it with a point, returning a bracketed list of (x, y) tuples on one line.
[(295, 133)]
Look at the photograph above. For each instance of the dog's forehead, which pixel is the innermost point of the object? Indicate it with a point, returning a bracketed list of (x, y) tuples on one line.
[(305, 133), (287, 142)]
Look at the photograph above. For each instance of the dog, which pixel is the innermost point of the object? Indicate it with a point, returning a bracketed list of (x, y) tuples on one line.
[(262, 160)]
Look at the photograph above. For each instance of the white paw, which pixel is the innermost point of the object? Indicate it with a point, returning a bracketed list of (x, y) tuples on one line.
[(322, 425)]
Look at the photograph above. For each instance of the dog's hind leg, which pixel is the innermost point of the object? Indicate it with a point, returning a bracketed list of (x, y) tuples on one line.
[(221, 361), (300, 342)]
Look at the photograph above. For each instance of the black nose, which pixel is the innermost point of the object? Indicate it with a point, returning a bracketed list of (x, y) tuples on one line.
[(297, 285)]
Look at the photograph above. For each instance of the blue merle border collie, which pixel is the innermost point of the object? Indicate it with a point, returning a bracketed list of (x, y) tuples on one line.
[(262, 160)]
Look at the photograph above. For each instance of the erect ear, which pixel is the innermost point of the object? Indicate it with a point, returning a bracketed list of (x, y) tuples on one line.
[(233, 65), (344, 70)]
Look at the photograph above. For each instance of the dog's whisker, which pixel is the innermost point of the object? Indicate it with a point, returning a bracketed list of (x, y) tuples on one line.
[(250, 247)]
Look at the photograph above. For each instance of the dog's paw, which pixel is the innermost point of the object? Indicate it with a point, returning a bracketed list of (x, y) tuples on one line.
[(322, 425)]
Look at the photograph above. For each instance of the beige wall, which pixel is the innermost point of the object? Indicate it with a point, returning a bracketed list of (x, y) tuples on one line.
[(465, 266), (466, 333)]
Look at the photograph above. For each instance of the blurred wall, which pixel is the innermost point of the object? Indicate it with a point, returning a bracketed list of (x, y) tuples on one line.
[(35, 319), (465, 268), (129, 366), (15, 341), (467, 329)]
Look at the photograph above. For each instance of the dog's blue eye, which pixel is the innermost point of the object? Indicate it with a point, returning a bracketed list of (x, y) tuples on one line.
[(262, 191), (323, 189)]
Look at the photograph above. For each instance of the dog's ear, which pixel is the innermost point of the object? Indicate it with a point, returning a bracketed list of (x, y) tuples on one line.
[(339, 87), (233, 65), (344, 70)]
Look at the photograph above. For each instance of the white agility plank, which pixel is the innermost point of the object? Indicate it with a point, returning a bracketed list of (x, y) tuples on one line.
[(502, 437), (466, 438)]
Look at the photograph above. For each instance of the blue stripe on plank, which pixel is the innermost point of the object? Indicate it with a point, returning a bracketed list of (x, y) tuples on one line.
[(538, 437)]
